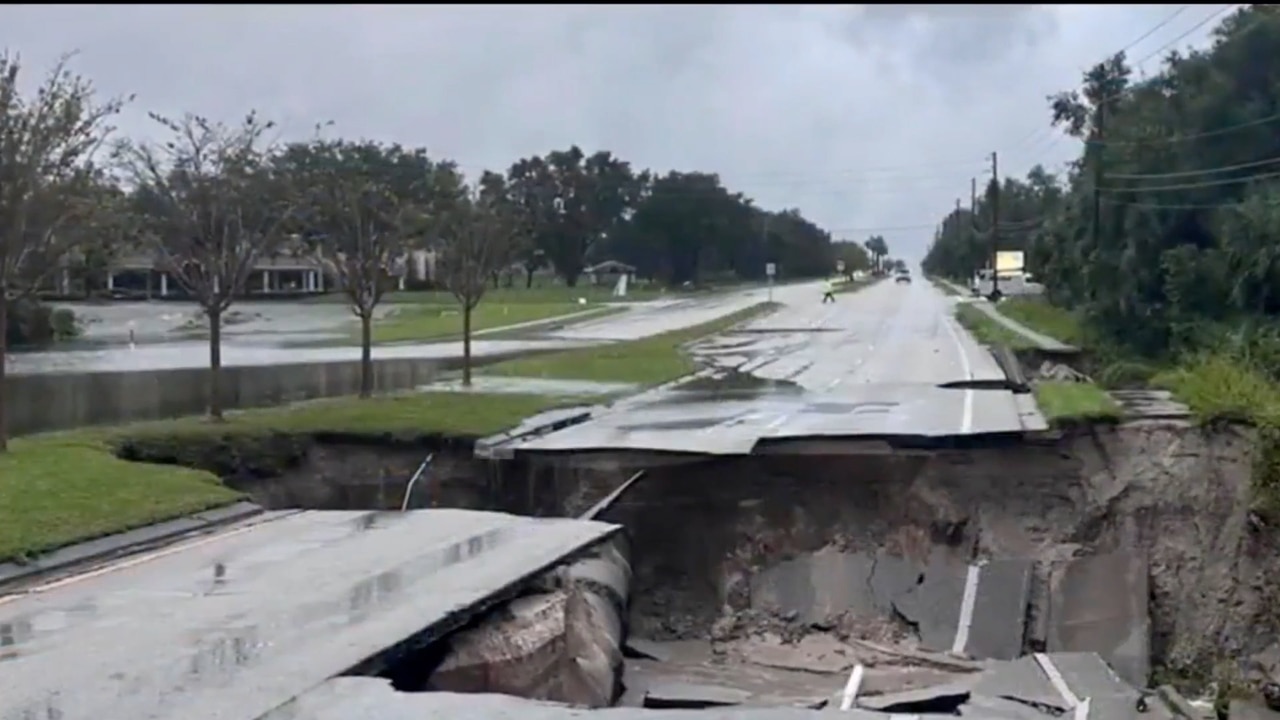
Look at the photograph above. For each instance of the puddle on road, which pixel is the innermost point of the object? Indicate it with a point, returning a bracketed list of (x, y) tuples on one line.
[(730, 386), (532, 386)]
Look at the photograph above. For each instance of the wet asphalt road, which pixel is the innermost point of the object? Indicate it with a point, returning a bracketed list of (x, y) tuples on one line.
[(238, 623), (262, 334), (870, 364)]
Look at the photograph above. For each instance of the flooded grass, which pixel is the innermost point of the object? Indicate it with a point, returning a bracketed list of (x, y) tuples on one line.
[(557, 294), (434, 322), (63, 488)]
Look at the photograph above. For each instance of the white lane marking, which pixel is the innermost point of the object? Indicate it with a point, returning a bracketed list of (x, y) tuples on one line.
[(966, 415), (136, 560), (851, 688), (1079, 708), (967, 602)]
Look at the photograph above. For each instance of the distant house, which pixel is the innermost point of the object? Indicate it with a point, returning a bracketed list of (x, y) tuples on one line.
[(608, 272)]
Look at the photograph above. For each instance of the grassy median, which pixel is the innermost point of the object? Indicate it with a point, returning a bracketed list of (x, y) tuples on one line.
[(988, 330), (649, 361), (62, 488), (433, 322)]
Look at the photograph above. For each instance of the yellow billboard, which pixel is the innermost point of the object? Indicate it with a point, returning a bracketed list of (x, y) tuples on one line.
[(1009, 261)]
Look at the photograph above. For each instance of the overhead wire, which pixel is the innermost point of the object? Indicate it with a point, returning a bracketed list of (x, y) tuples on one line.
[(1186, 33), (1132, 44)]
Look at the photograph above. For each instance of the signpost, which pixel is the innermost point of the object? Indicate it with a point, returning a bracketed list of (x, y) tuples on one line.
[(840, 267), (770, 270)]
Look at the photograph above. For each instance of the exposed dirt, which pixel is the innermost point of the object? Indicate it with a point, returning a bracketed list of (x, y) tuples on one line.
[(703, 530)]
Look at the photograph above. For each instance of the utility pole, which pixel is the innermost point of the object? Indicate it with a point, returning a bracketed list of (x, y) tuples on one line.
[(1098, 122), (995, 224)]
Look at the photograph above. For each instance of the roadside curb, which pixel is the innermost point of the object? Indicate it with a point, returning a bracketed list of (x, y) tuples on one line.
[(125, 543)]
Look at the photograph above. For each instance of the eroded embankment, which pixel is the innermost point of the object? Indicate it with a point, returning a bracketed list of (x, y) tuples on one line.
[(703, 532)]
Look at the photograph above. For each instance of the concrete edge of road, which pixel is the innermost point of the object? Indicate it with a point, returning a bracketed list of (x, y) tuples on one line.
[(129, 542)]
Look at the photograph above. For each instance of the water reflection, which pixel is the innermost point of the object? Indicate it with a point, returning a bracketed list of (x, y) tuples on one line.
[(195, 354)]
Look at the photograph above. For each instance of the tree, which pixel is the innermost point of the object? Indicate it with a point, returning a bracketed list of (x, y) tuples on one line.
[(683, 225), (854, 256), (362, 208), (1162, 233), (210, 208), (576, 201), (483, 232), (48, 144), (878, 248)]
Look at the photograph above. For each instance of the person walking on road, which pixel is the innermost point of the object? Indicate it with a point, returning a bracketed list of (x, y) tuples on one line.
[(828, 292)]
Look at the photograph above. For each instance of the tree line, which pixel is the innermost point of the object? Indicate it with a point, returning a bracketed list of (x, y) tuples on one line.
[(207, 201), (1165, 231)]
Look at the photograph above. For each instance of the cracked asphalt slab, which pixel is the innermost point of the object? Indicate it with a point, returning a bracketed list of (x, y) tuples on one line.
[(872, 364), (233, 625)]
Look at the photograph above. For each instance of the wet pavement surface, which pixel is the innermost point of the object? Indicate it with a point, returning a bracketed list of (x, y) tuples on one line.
[(536, 386), (874, 363), (233, 625)]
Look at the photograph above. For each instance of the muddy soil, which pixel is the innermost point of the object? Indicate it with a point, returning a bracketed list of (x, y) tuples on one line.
[(703, 530)]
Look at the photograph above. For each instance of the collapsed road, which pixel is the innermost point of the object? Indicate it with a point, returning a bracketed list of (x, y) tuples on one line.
[(754, 579), (888, 361), (237, 623)]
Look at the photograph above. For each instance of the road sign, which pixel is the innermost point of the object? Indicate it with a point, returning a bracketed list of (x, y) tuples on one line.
[(840, 266), (770, 269)]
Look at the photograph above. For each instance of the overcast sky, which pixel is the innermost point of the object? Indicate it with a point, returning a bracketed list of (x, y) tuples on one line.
[(867, 118)]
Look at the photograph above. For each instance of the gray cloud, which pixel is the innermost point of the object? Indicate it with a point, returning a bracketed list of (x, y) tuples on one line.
[(865, 117)]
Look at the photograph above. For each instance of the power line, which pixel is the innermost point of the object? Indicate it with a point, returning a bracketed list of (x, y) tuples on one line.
[(1175, 206), (1186, 138), (1193, 186), (1153, 30), (1254, 22), (1192, 173)]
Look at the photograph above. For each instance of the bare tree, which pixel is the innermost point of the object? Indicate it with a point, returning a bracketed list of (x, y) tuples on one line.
[(484, 233), (211, 209), (355, 220), (47, 146)]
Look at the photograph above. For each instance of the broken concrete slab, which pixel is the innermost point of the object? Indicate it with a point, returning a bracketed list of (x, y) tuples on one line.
[(1082, 675), (639, 648), (813, 653), (1089, 675), (992, 708), (936, 699), (1176, 703), (998, 625), (1100, 604), (344, 698), (816, 587), (688, 696), (933, 606)]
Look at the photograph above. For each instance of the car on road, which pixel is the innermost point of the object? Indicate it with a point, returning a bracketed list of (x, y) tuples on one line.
[(903, 277)]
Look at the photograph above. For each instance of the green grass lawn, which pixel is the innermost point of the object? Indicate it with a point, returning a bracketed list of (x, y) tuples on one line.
[(1074, 402), (988, 330), (432, 322), (1039, 315), (67, 487), (649, 361)]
